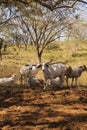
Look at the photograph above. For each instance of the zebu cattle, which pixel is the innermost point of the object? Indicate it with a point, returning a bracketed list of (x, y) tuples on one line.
[(51, 71), (8, 80), (74, 73), (27, 71)]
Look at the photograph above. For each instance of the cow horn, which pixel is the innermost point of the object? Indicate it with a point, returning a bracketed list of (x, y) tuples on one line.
[(84, 66), (39, 65), (49, 61)]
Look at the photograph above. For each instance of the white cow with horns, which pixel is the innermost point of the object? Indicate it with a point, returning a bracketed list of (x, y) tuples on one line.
[(51, 71)]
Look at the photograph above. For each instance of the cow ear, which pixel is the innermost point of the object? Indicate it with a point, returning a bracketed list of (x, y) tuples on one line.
[(85, 68), (81, 66), (49, 61), (27, 65), (47, 65), (39, 65)]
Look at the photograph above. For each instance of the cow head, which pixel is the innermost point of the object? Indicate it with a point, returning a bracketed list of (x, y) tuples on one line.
[(83, 67), (45, 66), (14, 75), (39, 65), (68, 70)]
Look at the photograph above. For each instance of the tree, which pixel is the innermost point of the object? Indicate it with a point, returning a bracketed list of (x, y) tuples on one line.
[(50, 4), (13, 7), (41, 21), (1, 43), (78, 29), (44, 27), (5, 46)]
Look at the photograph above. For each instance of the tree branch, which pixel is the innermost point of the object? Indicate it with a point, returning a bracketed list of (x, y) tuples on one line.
[(66, 6), (45, 3), (82, 1)]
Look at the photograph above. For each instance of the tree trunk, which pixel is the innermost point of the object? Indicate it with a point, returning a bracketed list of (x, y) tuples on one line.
[(39, 58), (0, 55), (39, 55), (26, 47)]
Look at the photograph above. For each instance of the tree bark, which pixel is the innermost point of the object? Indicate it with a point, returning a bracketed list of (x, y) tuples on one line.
[(0, 55), (39, 55)]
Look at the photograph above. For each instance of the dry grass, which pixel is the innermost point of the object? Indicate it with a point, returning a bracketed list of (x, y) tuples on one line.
[(67, 52), (36, 109)]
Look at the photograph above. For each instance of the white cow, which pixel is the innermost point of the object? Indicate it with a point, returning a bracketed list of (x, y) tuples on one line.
[(8, 80), (53, 71), (27, 71)]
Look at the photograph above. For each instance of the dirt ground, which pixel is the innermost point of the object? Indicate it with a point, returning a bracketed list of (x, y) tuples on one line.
[(38, 109)]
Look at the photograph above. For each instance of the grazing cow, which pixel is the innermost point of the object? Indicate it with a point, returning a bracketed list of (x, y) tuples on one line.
[(53, 71), (75, 73)]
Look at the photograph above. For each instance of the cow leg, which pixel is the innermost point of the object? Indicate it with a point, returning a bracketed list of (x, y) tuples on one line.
[(75, 81), (21, 79), (48, 82), (67, 80), (21, 82), (25, 80), (61, 80), (45, 86), (72, 81)]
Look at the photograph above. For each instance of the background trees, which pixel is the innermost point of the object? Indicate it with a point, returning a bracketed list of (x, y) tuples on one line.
[(39, 22)]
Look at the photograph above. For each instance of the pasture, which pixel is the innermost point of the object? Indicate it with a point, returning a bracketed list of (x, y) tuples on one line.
[(32, 108)]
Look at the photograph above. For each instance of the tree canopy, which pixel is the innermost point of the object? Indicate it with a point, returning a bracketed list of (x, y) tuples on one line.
[(50, 4), (39, 21)]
